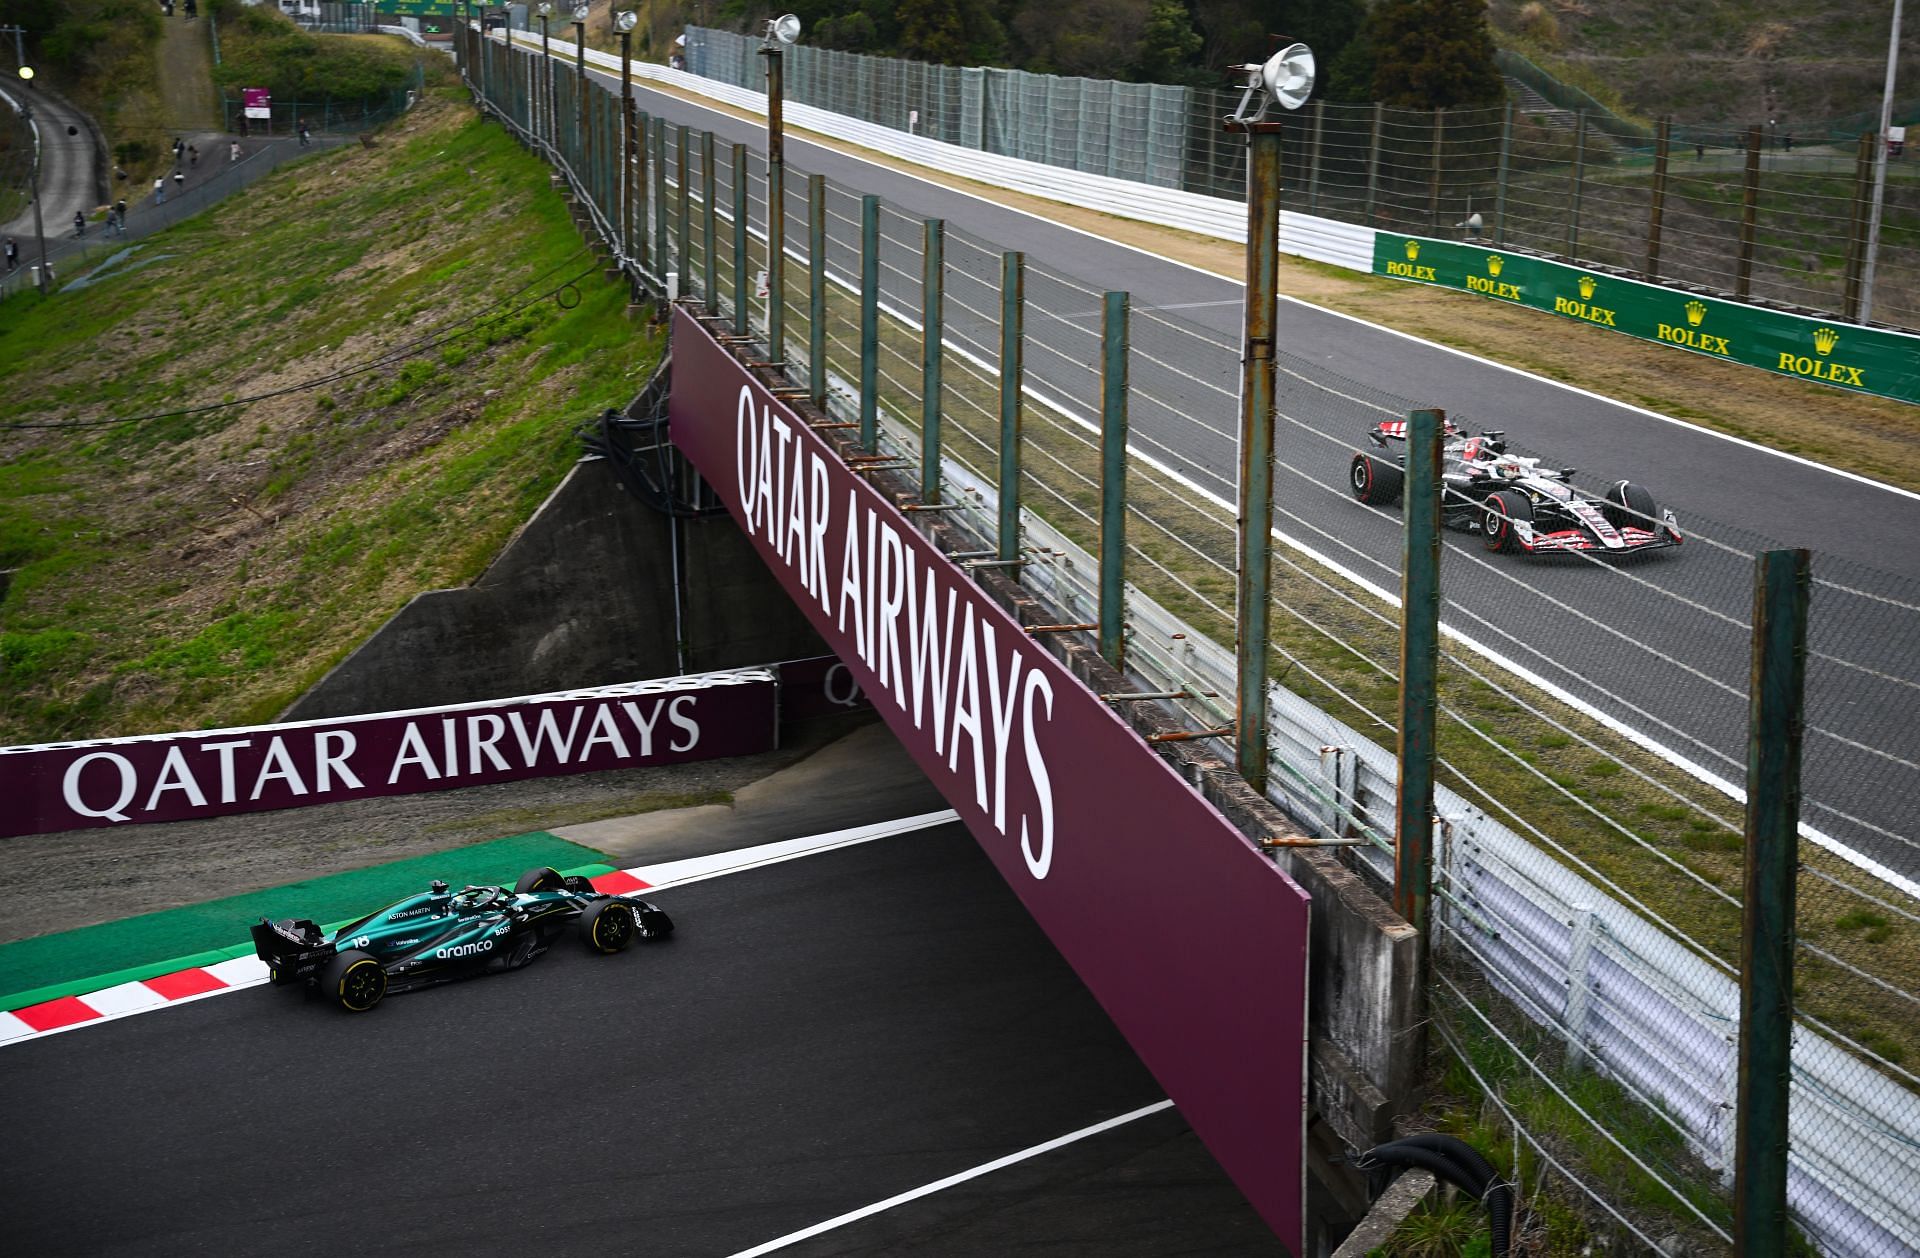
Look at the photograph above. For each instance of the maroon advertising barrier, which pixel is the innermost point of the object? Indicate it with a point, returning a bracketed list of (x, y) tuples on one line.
[(1192, 940), (818, 686), (210, 773)]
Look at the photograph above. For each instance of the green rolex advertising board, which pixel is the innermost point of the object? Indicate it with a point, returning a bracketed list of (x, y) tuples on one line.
[(420, 8), (1865, 360)]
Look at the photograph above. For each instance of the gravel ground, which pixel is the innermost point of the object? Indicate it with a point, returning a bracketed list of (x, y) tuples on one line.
[(76, 878)]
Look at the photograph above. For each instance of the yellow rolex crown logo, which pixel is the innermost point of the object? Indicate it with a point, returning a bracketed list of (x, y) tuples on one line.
[(1824, 339), (1696, 311), (1413, 250), (1587, 285), (1494, 263)]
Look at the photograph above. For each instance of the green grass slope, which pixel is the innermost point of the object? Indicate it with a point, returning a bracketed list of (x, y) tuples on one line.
[(404, 335)]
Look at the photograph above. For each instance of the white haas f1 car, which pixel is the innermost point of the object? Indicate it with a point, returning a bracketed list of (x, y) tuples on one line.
[(1511, 501)]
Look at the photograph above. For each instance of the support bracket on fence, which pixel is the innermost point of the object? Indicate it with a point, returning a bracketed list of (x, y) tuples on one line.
[(1060, 628), (1189, 735)]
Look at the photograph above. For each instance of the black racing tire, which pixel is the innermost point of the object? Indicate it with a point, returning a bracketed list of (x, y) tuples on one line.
[(609, 926), (1630, 506), (1375, 481), (539, 879), (354, 980), (1503, 508)]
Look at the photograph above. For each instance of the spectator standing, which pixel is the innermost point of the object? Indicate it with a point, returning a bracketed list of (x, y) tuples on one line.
[(179, 147), (160, 191), (79, 224), (120, 215), (233, 151), (13, 254), (306, 137), (179, 178), (193, 154)]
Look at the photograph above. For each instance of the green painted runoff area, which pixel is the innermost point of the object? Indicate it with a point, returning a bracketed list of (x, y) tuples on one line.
[(78, 961)]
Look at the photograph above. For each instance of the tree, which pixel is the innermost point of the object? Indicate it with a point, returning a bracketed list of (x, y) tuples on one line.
[(1169, 45), (951, 32), (1433, 54), (1099, 39)]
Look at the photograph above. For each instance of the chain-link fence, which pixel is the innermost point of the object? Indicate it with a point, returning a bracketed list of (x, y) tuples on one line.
[(1593, 709), (1560, 176)]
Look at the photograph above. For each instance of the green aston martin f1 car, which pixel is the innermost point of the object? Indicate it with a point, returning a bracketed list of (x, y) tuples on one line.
[(445, 935)]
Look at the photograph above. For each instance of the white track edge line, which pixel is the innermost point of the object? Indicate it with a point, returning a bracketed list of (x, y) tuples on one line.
[(939, 1185)]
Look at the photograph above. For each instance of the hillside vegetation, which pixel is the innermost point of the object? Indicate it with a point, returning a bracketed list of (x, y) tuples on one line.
[(404, 335), (1723, 62)]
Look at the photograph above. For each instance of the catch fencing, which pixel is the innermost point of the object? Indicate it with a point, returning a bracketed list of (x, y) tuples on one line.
[(1574, 183), (1593, 713)]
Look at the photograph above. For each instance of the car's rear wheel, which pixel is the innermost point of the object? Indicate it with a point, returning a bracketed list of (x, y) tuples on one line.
[(1375, 481), (541, 879), (608, 926), (354, 979), (1504, 509), (1630, 506)]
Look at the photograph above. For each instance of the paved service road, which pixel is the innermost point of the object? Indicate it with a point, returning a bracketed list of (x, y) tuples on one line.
[(818, 1036), (1660, 644)]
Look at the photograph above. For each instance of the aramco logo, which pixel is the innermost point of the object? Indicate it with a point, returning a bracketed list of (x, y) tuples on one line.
[(1696, 311), (1587, 285), (1413, 251)]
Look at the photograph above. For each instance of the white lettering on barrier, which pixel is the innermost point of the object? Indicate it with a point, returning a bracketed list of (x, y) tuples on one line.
[(884, 594)]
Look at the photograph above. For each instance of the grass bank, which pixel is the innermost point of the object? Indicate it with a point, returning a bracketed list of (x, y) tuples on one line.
[(251, 439)]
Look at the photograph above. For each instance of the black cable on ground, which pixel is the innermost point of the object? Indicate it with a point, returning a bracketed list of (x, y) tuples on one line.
[(1458, 1163)]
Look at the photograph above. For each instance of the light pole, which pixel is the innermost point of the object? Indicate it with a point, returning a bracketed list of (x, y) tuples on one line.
[(624, 22), (33, 181), (1880, 171), (1287, 77), (781, 31), (580, 12), (545, 11)]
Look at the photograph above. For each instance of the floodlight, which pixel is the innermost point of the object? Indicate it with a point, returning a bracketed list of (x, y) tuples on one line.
[(1288, 75), (580, 12), (26, 72), (625, 20), (786, 28), (543, 10)]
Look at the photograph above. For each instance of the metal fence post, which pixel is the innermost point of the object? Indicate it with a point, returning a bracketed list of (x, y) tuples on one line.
[(742, 281), (1749, 217), (1776, 712), (1373, 162), (1500, 184), (1573, 192), (870, 324), (710, 287), (663, 258), (1313, 160), (1013, 305), (684, 203), (1254, 580), (1657, 205), (1419, 669), (1857, 233), (1433, 187), (817, 289), (1113, 478), (932, 334)]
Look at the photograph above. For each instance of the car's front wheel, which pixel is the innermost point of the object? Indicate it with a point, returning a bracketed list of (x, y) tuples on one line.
[(1375, 481), (608, 926), (1505, 509), (541, 879), (354, 979), (1630, 506)]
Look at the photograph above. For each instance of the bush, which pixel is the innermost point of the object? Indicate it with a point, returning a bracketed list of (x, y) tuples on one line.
[(261, 47)]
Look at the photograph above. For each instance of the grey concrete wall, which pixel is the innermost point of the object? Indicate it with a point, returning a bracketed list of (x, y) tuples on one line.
[(582, 596)]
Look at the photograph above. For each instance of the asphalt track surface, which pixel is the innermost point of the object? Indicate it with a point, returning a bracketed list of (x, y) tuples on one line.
[(818, 1036), (1658, 642)]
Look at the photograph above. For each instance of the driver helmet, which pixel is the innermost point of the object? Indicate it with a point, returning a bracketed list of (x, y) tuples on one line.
[(1508, 468)]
